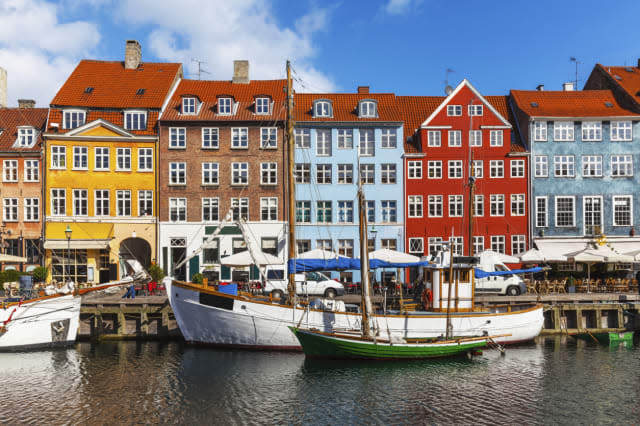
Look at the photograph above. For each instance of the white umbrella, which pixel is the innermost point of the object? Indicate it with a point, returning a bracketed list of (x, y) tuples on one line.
[(319, 254), (393, 256), (635, 254), (600, 254), (244, 259), (499, 257), (533, 255), (10, 258)]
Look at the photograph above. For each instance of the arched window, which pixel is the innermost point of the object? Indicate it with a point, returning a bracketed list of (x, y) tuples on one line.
[(368, 109), (322, 108)]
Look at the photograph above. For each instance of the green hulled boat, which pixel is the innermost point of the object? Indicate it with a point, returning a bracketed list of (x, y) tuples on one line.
[(606, 338), (338, 345)]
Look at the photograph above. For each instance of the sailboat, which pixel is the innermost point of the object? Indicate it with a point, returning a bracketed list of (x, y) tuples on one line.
[(210, 317)]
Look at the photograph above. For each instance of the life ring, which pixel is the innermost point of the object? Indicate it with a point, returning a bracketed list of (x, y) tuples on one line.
[(427, 298)]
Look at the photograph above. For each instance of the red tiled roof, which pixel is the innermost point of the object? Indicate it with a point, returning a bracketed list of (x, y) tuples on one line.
[(345, 107), (414, 110), (586, 103), (113, 117), (11, 118), (244, 94), (627, 77)]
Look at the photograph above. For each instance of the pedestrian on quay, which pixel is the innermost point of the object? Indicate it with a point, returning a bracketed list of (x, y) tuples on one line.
[(131, 293)]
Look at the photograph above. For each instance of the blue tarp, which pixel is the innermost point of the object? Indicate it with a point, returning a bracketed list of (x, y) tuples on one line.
[(479, 273), (343, 263)]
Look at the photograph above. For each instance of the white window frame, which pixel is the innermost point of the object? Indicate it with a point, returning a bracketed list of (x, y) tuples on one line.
[(367, 109), (545, 211), (434, 169), (435, 206), (541, 166), (269, 137), (621, 131), (367, 173), (518, 205), (416, 245), (59, 195), (414, 169), (10, 209), (519, 240), (540, 131), (434, 245), (73, 116), (210, 173), (345, 211), (179, 204), (189, 105), (81, 152), (622, 162), (345, 138), (26, 136), (59, 156), (323, 142), (434, 138), (210, 138), (225, 106), (177, 137), (591, 131), (456, 205), (573, 212), (138, 120), (322, 108), (101, 156), (563, 131), (415, 206), (454, 169), (32, 209), (269, 173), (564, 166), (475, 110), (592, 166), (478, 169), (496, 205), (496, 138), (144, 154), (80, 196), (345, 174), (585, 198), (475, 137), (263, 106), (478, 205), (239, 206), (238, 169), (124, 154), (367, 142), (388, 211), (10, 171), (239, 138), (498, 241), (454, 110), (302, 138), (388, 174), (496, 169), (212, 204), (388, 138), (123, 200), (269, 205), (98, 198), (455, 138), (145, 196), (177, 173), (517, 169), (615, 202), (478, 244), (31, 170)]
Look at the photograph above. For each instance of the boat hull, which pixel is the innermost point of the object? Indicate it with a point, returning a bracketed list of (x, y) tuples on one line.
[(606, 338), (233, 321)]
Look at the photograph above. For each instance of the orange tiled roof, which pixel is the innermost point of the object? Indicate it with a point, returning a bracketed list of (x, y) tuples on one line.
[(345, 107), (414, 110), (11, 118), (208, 91), (627, 77), (586, 103)]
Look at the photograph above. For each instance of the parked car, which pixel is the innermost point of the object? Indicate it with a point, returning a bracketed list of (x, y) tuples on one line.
[(307, 283)]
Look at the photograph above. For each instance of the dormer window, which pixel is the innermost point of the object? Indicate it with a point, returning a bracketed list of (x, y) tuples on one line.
[(224, 106), (188, 105), (322, 109), (262, 105), (367, 109), (73, 118), (135, 120), (26, 136)]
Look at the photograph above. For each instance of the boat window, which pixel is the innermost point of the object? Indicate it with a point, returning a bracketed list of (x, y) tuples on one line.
[(464, 275), (275, 274)]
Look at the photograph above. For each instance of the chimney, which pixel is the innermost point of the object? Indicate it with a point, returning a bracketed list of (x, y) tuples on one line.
[(638, 62), (567, 87), (540, 87), (132, 55), (26, 103), (363, 89), (3, 88), (241, 72)]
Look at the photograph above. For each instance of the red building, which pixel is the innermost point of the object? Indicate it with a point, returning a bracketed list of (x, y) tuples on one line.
[(444, 134)]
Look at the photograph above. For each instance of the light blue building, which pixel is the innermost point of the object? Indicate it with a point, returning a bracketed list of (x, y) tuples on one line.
[(339, 137)]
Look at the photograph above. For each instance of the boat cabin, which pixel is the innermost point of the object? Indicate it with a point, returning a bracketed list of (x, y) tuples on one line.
[(437, 279)]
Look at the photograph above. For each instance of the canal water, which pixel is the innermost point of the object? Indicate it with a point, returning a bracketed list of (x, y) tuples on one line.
[(555, 381)]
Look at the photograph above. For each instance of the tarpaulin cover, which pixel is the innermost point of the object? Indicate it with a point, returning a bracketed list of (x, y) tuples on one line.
[(343, 263), (479, 273), (229, 288)]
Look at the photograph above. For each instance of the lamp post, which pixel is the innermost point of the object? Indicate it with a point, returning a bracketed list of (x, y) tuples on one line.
[(374, 232), (67, 232)]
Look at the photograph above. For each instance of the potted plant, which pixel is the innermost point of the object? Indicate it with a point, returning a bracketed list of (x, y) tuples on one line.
[(40, 274)]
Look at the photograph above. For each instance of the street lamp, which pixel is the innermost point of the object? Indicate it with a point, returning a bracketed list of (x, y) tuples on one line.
[(67, 232), (374, 232)]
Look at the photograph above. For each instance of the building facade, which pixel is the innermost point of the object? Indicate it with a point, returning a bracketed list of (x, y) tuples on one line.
[(222, 149)]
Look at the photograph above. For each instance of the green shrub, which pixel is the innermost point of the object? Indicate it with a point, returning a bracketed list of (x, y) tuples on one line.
[(9, 276), (156, 272), (40, 274), (197, 278)]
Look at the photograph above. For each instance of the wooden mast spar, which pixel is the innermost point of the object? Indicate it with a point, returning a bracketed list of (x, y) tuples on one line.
[(291, 187)]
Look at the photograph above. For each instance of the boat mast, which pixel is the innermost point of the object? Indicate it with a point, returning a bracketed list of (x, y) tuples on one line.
[(472, 181), (291, 186), (364, 266), (450, 285)]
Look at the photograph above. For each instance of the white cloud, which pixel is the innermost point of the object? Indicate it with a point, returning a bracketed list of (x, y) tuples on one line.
[(400, 7), (38, 50), (217, 32)]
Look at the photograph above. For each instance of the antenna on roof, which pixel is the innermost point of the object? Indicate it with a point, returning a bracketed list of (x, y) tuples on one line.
[(200, 70), (448, 89), (572, 59)]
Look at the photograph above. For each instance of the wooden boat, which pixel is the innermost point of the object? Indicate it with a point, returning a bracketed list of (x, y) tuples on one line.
[(606, 338)]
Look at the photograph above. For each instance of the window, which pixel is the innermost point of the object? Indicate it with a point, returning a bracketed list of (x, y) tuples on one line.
[(323, 173), (210, 174), (58, 157), (454, 110), (135, 120), (564, 165), (123, 158), (433, 138), (323, 142), (370, 211), (177, 137), (475, 137), (455, 138), (345, 211), (10, 209), (541, 212), (123, 203), (388, 174), (565, 211), (367, 173), (302, 172), (458, 245), (591, 131), (177, 173), (540, 131), (145, 159), (621, 131), (478, 205), (455, 169), (58, 202), (435, 245), (496, 169), (622, 210), (269, 246), (268, 137), (101, 161), (414, 169), (455, 206), (238, 245), (475, 110), (389, 211), (541, 165), (415, 205), (345, 248), (367, 143), (31, 170), (224, 106), (210, 138), (80, 202), (302, 138), (240, 208), (389, 138), (239, 138), (323, 210), (303, 246), (101, 202), (592, 208), (262, 106), (367, 109), (435, 205), (10, 171), (345, 139), (496, 205), (621, 165), (177, 209), (592, 166), (303, 212), (268, 173), (80, 157), (416, 245), (145, 203), (478, 244), (72, 119), (188, 105), (478, 169), (322, 109), (517, 168), (26, 136), (31, 209), (563, 131), (268, 209), (239, 173), (435, 169), (495, 138), (517, 204), (498, 244), (345, 173), (211, 251)]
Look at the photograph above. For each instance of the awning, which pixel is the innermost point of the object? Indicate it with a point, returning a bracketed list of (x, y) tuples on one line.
[(79, 231), (76, 244), (554, 251), (10, 258)]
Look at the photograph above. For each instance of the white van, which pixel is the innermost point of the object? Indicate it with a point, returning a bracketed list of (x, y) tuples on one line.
[(311, 283), (511, 285)]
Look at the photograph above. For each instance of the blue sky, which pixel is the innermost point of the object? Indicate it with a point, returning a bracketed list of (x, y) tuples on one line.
[(401, 46)]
